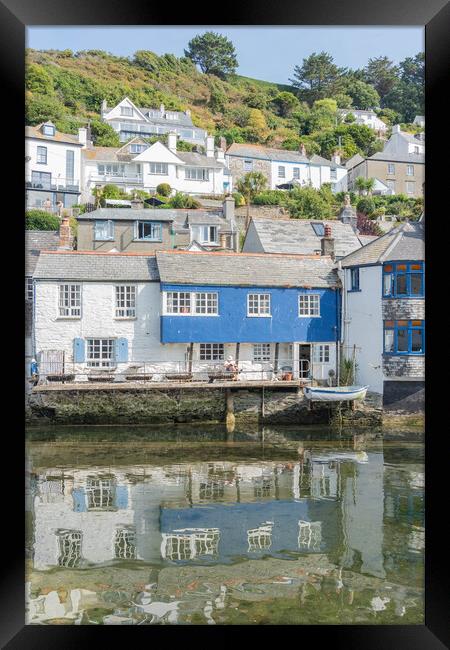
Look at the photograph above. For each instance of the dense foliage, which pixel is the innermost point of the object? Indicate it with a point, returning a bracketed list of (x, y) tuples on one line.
[(40, 220), (68, 88)]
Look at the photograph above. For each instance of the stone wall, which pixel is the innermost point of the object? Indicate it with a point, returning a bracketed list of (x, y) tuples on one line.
[(237, 170), (403, 366), (403, 309), (263, 212)]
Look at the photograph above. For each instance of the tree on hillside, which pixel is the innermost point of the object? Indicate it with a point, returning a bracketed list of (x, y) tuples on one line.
[(315, 78), (363, 95), (214, 53), (407, 96), (42, 108), (382, 74), (249, 185), (285, 103)]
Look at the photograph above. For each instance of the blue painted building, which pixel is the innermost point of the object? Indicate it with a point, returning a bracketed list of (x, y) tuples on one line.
[(264, 311)]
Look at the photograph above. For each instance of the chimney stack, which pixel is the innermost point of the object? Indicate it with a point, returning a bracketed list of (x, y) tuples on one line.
[(82, 137), (162, 109), (303, 149), (210, 146), (327, 242), (172, 141), (136, 203), (187, 112), (336, 157), (223, 143), (396, 128), (65, 235), (228, 208)]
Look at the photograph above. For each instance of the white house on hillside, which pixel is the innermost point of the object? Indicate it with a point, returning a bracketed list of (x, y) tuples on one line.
[(130, 121), (283, 168), (52, 166), (138, 165), (403, 143), (366, 117)]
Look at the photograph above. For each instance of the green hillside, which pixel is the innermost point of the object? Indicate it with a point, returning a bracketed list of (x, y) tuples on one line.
[(68, 88)]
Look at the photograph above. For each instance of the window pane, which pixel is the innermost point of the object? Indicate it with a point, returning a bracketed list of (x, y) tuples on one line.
[(417, 343), (389, 340), (402, 340), (416, 284), (401, 285)]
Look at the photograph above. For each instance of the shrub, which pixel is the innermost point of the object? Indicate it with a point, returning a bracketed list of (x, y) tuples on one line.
[(308, 203), (239, 199), (164, 189), (181, 200), (41, 220), (366, 206), (270, 197)]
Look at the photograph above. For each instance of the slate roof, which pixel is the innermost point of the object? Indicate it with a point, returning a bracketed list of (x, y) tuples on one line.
[(319, 160), (90, 266), (116, 154), (241, 269), (404, 242), (35, 132), (183, 119), (132, 214), (297, 236), (194, 159), (414, 158), (265, 153), (35, 242)]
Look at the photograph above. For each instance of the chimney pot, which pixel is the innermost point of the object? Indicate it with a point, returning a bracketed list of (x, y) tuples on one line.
[(65, 234), (327, 242), (327, 230)]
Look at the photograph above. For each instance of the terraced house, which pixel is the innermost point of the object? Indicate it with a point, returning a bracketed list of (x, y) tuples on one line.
[(181, 311), (384, 315)]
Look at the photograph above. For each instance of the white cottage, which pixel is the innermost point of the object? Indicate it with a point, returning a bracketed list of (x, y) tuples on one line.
[(383, 315)]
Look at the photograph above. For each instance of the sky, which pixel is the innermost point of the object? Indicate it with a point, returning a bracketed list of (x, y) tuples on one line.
[(267, 53)]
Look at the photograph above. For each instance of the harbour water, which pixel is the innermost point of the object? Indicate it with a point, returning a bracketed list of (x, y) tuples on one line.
[(189, 525)]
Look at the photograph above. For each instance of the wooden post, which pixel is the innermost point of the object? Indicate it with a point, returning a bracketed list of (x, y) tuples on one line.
[(230, 420)]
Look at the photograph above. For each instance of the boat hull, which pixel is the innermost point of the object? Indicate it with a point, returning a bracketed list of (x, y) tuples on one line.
[(335, 394)]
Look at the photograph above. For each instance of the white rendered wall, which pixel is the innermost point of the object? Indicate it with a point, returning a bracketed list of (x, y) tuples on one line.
[(56, 159), (365, 329)]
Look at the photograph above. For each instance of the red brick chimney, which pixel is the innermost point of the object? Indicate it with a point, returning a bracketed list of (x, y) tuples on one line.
[(65, 235), (327, 242)]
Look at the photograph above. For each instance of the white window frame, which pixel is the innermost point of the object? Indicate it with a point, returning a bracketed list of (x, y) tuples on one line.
[(108, 228), (154, 225), (195, 303), (126, 111), (48, 129), (159, 169), (69, 300), (137, 148), (296, 173), (248, 165), (105, 345), (311, 302), (196, 173), (209, 230), (321, 353), (262, 352), (125, 301), (281, 171), (391, 168), (408, 184), (261, 302), (41, 155), (410, 170), (211, 352), (333, 173)]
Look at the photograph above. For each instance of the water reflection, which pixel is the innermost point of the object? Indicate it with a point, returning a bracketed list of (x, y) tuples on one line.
[(314, 517)]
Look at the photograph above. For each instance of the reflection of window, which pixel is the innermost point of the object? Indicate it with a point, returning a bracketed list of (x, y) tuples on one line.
[(404, 337), (309, 535), (261, 352), (211, 490), (125, 544), (189, 543), (309, 305), (260, 539), (262, 486), (69, 548), (100, 493), (211, 352)]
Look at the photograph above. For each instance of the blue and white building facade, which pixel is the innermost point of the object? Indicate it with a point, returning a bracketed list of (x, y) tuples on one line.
[(383, 312), (180, 310)]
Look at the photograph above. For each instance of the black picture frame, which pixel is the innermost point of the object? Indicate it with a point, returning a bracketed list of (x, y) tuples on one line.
[(15, 15)]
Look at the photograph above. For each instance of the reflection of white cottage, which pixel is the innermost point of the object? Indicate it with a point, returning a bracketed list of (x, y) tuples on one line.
[(260, 539), (190, 543)]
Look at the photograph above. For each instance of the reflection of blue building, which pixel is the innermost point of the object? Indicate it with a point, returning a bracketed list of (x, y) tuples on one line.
[(234, 521)]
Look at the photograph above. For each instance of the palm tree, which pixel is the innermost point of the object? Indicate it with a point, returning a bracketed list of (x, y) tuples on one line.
[(360, 184), (250, 185), (370, 184)]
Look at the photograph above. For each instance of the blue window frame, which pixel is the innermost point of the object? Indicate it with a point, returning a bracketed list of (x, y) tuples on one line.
[(403, 280), (354, 279), (404, 337), (148, 231)]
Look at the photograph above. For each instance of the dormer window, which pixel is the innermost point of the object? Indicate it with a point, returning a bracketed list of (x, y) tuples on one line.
[(126, 110), (137, 148), (48, 129)]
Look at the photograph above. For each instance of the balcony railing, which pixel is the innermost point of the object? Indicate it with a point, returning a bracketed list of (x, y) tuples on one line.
[(52, 184), (116, 178)]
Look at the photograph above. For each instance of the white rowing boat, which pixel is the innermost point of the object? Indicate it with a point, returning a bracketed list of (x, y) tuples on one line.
[(335, 393)]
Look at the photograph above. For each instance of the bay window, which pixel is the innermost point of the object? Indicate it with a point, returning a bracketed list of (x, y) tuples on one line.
[(403, 280), (404, 337)]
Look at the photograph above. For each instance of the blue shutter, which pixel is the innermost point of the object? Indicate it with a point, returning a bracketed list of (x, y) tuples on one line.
[(122, 350), (122, 497), (78, 350), (79, 501)]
